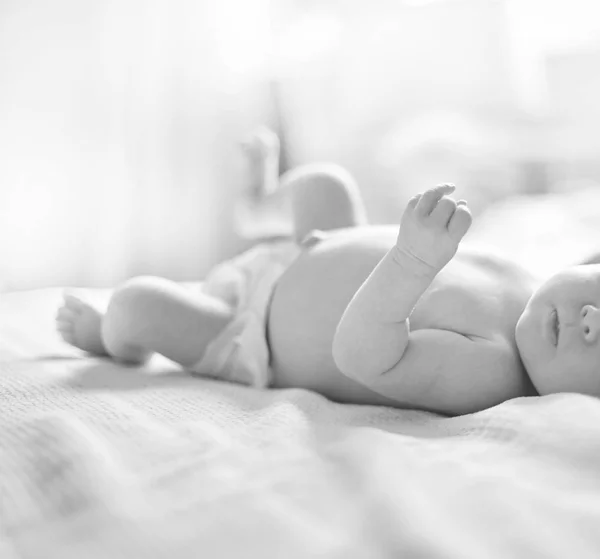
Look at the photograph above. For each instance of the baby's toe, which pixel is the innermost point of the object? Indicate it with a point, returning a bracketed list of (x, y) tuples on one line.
[(63, 325), (67, 336), (66, 314), (72, 302)]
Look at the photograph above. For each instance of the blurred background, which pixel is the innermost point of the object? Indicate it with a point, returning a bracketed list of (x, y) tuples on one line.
[(120, 120)]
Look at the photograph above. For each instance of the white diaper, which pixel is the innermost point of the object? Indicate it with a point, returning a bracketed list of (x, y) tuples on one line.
[(240, 353)]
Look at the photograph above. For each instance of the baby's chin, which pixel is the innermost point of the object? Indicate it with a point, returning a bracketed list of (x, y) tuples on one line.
[(547, 377), (538, 374), (521, 338), (550, 373), (531, 362)]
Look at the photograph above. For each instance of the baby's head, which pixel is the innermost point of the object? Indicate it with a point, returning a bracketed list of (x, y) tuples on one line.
[(558, 334)]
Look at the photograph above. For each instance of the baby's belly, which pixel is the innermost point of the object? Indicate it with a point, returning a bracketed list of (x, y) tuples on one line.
[(473, 295), (307, 305)]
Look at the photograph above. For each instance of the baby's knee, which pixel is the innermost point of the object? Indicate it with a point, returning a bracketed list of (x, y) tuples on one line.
[(136, 296), (326, 189), (139, 287), (319, 177)]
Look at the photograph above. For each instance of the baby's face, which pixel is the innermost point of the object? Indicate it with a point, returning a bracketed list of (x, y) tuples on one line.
[(558, 334)]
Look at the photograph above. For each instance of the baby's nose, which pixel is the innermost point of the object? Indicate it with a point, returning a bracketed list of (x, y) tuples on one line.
[(590, 322)]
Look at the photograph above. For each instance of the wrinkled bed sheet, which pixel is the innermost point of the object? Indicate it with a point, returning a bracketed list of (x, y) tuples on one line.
[(99, 460)]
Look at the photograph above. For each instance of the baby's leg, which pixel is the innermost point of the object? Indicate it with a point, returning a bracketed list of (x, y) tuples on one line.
[(324, 196), (146, 315)]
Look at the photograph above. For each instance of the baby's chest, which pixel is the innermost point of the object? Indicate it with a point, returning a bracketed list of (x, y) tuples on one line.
[(473, 307)]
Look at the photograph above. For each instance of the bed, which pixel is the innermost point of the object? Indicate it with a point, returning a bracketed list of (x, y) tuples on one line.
[(101, 460)]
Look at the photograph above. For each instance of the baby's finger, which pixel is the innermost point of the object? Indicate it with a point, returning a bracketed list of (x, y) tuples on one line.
[(412, 203), (461, 203), (460, 222), (444, 210), (431, 197)]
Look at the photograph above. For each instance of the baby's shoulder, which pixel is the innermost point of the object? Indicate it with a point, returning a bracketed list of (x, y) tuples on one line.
[(494, 261)]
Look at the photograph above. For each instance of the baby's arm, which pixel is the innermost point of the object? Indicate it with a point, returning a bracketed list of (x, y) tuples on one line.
[(373, 333), (432, 369)]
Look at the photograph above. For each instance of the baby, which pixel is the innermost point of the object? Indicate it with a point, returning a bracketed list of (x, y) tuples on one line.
[(406, 317)]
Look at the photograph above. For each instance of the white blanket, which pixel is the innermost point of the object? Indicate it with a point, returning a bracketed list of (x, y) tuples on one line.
[(98, 460)]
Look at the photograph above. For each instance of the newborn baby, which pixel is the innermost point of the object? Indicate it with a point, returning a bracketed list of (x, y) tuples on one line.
[(405, 317)]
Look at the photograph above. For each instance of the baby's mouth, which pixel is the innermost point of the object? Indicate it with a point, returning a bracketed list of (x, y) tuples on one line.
[(555, 326)]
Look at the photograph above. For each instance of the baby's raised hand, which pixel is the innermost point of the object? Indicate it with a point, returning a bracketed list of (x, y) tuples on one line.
[(431, 228), (261, 143)]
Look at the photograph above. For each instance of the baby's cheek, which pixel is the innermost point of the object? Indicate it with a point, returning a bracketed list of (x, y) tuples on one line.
[(523, 331), (582, 374), (572, 374)]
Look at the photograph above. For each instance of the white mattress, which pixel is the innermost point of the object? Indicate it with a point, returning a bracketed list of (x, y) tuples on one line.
[(98, 460)]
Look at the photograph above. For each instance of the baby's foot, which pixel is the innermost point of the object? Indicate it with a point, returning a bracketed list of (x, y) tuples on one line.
[(261, 144), (79, 324), (262, 150)]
